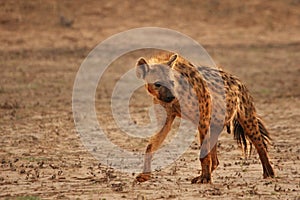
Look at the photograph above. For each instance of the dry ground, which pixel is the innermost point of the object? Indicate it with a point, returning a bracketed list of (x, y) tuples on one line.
[(42, 46)]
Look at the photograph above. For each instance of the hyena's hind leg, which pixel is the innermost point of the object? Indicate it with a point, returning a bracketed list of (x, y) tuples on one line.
[(253, 128), (208, 135), (205, 156), (216, 128), (214, 158)]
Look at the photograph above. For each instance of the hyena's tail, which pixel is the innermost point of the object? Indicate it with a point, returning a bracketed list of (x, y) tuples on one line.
[(244, 141), (264, 133)]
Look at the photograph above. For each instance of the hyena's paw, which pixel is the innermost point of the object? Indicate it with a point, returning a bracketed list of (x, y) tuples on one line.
[(269, 174), (143, 177), (201, 179)]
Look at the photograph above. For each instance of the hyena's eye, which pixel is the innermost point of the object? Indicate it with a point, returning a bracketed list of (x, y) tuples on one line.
[(157, 84)]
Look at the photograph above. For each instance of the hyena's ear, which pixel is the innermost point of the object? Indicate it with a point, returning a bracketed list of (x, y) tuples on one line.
[(141, 68), (172, 59)]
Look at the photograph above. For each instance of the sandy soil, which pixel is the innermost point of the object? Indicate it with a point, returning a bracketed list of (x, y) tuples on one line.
[(42, 46)]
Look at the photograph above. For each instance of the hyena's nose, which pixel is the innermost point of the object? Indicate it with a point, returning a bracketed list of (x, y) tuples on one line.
[(169, 98)]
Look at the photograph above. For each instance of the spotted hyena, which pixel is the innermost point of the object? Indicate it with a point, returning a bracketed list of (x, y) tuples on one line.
[(195, 93)]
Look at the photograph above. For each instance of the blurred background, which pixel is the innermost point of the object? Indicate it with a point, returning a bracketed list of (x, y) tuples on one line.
[(43, 44)]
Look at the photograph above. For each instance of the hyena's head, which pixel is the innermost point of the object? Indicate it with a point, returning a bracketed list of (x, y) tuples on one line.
[(157, 77)]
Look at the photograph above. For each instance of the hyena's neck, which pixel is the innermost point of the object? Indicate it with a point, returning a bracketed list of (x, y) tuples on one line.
[(188, 72)]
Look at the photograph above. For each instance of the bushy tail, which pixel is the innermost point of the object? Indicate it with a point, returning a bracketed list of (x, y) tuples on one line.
[(244, 141)]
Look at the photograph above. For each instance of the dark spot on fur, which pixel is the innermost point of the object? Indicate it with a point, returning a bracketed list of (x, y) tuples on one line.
[(184, 74), (181, 66), (192, 74), (243, 99)]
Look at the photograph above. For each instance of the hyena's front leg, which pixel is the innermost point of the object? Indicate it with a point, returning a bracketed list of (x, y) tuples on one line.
[(154, 144)]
